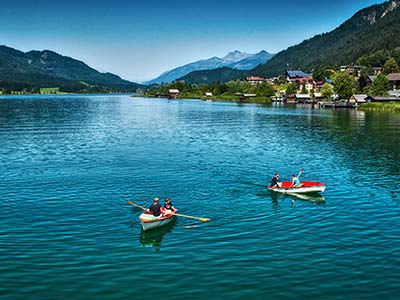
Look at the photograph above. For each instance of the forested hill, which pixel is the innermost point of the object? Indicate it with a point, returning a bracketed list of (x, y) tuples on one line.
[(36, 69), (371, 30), (223, 74)]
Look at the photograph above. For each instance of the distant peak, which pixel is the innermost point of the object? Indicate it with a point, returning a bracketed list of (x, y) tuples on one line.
[(235, 56)]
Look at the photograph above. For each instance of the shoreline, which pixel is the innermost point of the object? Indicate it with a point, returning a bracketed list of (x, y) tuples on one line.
[(234, 99), (372, 106)]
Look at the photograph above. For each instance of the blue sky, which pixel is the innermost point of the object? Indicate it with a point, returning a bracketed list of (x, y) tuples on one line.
[(138, 40)]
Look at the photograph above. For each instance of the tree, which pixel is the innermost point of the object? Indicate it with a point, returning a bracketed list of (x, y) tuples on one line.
[(327, 90), (291, 89), (376, 59), (264, 89), (396, 55), (303, 89), (379, 86), (390, 66), (344, 84), (362, 83)]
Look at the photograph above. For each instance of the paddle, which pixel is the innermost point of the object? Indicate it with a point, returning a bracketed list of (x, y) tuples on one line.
[(301, 172), (191, 217), (180, 215), (137, 205)]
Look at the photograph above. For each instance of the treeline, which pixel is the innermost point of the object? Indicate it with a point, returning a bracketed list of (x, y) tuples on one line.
[(229, 89), (34, 87)]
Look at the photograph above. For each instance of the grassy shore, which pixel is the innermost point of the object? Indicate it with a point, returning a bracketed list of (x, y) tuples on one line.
[(378, 106)]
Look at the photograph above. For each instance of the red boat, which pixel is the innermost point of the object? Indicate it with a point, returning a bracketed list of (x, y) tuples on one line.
[(306, 187)]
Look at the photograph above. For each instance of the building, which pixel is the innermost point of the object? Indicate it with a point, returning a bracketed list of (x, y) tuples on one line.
[(298, 76), (317, 96), (302, 98), (255, 79), (290, 98), (382, 98), (244, 97), (394, 79), (352, 70), (358, 98), (173, 93), (208, 94), (377, 70), (395, 93)]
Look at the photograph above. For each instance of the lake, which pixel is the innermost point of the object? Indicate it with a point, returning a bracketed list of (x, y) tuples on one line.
[(69, 164)]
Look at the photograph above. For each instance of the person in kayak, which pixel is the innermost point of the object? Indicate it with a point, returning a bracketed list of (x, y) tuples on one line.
[(275, 181), (168, 207), (155, 208), (296, 182)]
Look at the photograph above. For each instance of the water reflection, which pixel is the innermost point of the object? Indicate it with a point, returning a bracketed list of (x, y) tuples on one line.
[(153, 238), (317, 199)]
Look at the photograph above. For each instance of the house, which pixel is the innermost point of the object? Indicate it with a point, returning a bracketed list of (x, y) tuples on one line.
[(290, 98), (271, 80), (208, 94), (377, 70), (255, 79), (318, 85), (297, 76), (382, 98), (394, 79), (358, 98), (395, 93), (302, 98), (244, 97), (352, 69), (173, 93), (317, 96)]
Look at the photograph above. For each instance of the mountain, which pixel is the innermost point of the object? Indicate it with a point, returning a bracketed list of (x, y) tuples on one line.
[(235, 60), (35, 69), (375, 28), (371, 35), (252, 61), (223, 74)]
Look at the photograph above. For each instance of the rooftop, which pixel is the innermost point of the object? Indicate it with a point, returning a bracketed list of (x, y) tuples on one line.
[(394, 77), (297, 74)]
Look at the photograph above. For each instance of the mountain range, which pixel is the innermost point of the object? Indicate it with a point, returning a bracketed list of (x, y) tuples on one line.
[(375, 28), (34, 69), (235, 60), (370, 34)]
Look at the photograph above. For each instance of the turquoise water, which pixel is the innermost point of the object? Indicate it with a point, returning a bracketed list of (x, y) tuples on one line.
[(69, 164)]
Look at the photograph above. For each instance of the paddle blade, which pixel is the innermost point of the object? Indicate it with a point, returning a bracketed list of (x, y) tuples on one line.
[(204, 220)]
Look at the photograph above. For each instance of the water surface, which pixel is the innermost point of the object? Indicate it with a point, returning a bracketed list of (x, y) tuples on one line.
[(69, 164)]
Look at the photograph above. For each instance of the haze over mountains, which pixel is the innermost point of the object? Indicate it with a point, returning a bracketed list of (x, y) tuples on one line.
[(235, 60)]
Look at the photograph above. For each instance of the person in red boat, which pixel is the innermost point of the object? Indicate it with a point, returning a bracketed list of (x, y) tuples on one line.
[(296, 181), (275, 181), (168, 207), (155, 208)]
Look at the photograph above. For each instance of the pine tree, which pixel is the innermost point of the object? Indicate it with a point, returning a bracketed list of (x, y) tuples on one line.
[(391, 66)]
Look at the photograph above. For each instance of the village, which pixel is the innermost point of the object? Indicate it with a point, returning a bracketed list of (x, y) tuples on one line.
[(309, 90), (347, 87)]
